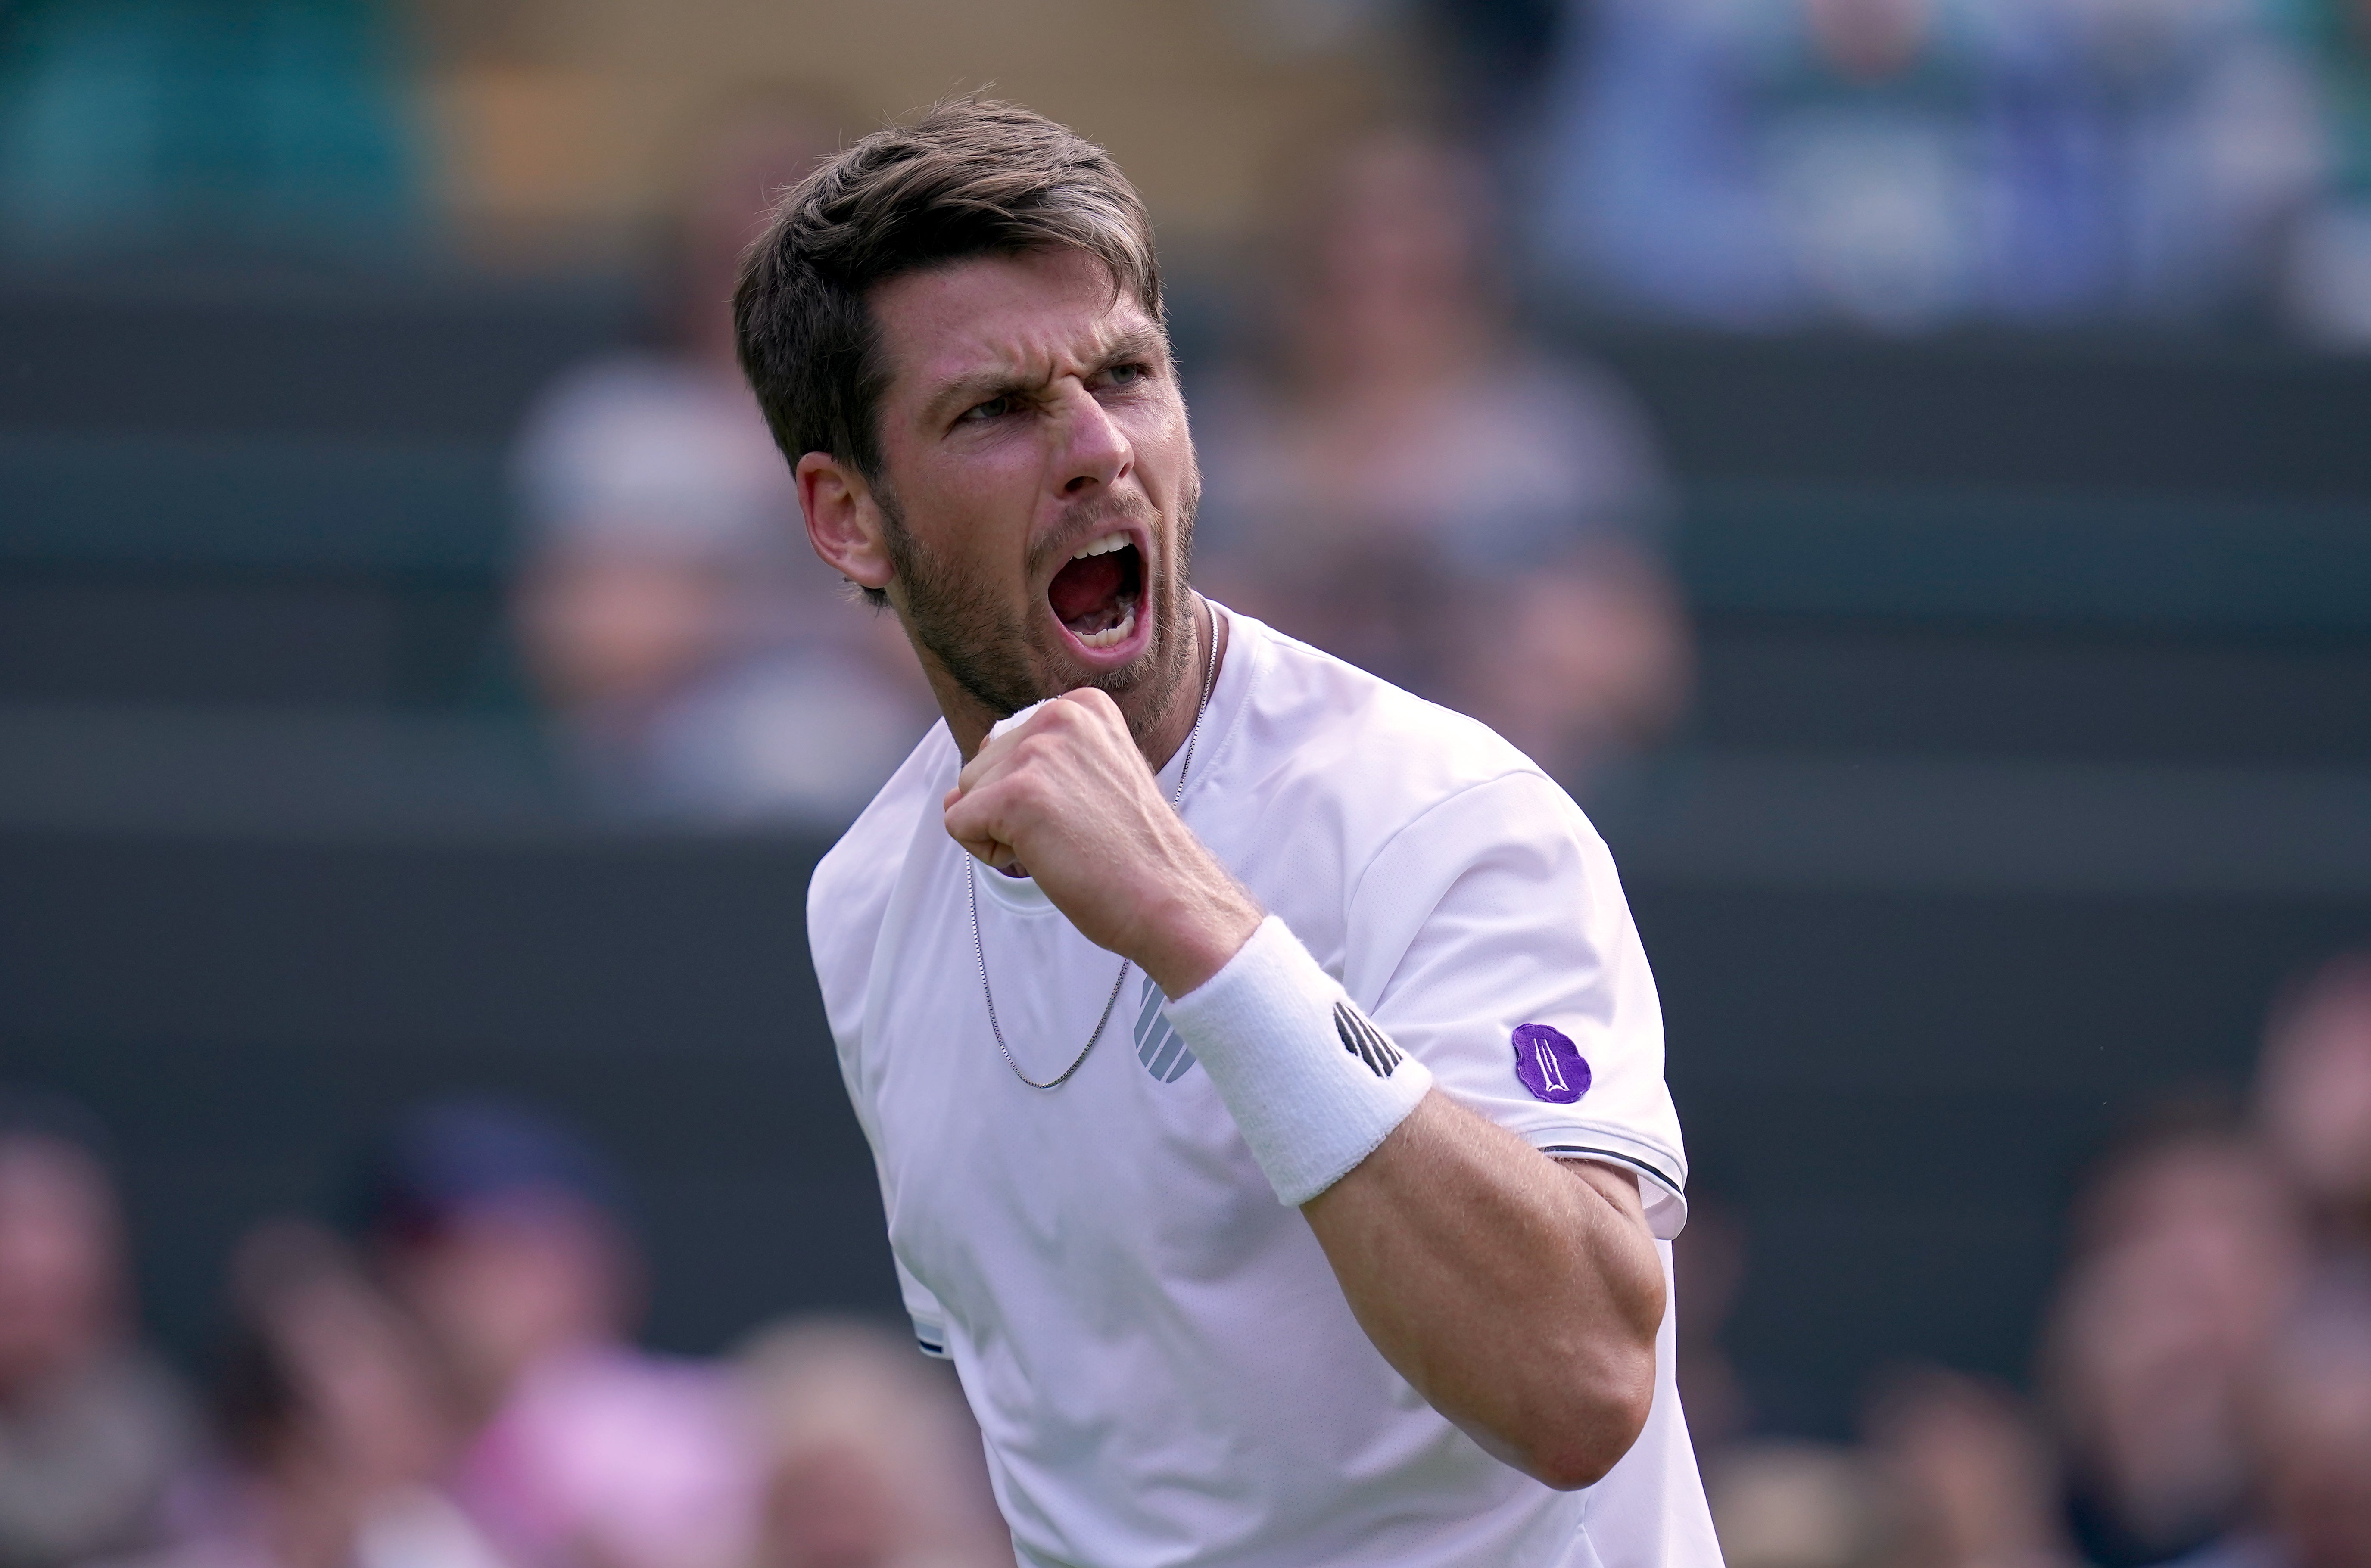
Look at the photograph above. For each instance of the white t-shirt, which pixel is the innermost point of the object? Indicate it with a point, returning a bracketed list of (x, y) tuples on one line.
[(1164, 1365)]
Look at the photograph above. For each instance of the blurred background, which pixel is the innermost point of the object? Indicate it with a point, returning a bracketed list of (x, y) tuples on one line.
[(1906, 463)]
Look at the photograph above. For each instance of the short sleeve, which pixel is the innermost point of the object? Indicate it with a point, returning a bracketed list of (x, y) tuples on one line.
[(930, 1317), (1490, 937)]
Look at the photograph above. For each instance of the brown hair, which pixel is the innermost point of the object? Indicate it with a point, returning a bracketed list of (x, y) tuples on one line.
[(973, 176)]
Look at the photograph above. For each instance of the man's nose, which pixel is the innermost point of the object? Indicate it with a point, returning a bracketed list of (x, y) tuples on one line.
[(1094, 451)]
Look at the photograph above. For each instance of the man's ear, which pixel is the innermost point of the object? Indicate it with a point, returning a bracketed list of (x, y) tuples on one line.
[(843, 520)]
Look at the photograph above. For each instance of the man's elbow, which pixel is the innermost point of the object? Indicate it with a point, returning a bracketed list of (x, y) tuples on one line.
[(1593, 1424)]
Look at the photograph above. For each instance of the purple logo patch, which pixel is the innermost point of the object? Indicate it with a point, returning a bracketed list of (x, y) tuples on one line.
[(1549, 1065)]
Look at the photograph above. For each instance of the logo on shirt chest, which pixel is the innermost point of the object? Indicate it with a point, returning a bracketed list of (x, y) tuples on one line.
[(1157, 1045), (1549, 1065)]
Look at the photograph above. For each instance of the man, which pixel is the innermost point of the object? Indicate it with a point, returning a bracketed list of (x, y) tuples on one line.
[(93, 1433), (504, 1234), (683, 639), (1374, 1285)]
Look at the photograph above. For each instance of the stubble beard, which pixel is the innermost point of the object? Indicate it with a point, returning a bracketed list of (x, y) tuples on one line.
[(989, 651)]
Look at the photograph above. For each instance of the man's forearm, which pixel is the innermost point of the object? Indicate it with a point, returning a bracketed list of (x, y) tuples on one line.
[(1518, 1296), (1519, 1299)]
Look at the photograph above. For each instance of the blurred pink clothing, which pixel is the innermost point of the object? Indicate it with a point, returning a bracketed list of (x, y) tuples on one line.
[(610, 1458)]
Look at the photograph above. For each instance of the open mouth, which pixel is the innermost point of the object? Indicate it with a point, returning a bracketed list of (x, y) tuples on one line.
[(1096, 592)]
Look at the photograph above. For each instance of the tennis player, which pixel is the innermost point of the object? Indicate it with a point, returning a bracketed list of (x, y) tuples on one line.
[(1263, 1071)]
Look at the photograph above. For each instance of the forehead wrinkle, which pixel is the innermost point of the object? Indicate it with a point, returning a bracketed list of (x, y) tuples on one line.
[(985, 359)]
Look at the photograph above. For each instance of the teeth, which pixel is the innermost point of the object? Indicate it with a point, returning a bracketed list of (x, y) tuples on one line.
[(1104, 546), (1115, 636)]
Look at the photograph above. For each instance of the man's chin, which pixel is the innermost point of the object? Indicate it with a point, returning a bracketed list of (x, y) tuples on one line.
[(1006, 668), (1063, 673), (1148, 687)]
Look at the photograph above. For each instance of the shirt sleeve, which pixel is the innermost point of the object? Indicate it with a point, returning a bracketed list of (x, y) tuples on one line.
[(1490, 937), (930, 1317)]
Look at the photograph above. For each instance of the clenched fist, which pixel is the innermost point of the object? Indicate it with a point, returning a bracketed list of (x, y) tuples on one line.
[(1068, 796)]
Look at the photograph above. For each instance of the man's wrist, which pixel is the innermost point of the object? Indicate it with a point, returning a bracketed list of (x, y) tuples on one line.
[(1312, 1084), (1197, 936)]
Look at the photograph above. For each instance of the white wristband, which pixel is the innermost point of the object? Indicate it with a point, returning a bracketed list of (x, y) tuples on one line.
[(1015, 719), (1312, 1084)]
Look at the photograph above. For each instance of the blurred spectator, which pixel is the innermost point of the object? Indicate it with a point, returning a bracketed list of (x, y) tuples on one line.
[(2205, 122), (871, 1460), (1910, 164), (2312, 1408), (501, 1232), (1953, 1473), (2314, 1098), (2312, 1423), (1778, 1504), (333, 1426), (2186, 1252), (1709, 1270), (1405, 486), (2329, 285), (1753, 165), (91, 1430), (1974, 1483), (701, 660)]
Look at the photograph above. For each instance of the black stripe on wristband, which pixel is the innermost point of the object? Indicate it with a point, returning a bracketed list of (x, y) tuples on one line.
[(1364, 1041)]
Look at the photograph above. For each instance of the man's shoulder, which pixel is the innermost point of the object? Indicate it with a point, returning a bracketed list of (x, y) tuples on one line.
[(1321, 732)]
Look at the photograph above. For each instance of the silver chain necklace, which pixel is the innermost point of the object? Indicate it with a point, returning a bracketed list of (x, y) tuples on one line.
[(971, 885)]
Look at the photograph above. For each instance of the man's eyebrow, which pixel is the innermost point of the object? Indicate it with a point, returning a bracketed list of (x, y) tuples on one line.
[(979, 385), (968, 390), (1136, 343)]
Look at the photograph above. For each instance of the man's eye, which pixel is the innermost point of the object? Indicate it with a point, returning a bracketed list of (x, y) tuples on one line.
[(994, 409), (1126, 374)]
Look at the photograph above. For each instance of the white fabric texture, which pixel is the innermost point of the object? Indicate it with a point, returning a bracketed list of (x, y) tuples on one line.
[(1265, 1029), (1013, 721), (1163, 1363)]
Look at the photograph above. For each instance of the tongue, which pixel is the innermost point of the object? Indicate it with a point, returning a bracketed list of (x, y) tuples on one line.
[(1085, 587)]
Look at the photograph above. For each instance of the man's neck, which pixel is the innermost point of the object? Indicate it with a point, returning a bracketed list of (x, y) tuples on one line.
[(1206, 653)]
